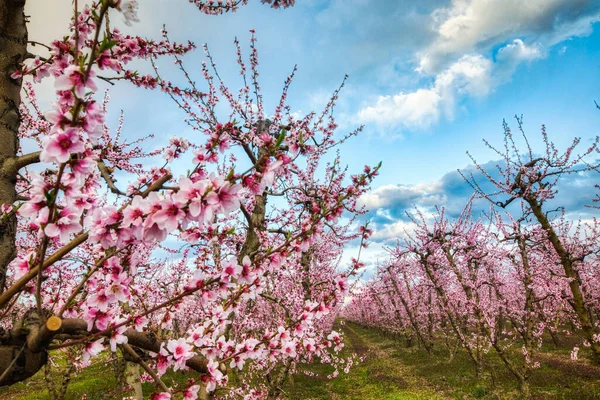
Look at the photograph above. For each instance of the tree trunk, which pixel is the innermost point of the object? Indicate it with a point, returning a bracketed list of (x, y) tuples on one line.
[(566, 259), (275, 386), (203, 394), (133, 378), (13, 47), (554, 337), (524, 388)]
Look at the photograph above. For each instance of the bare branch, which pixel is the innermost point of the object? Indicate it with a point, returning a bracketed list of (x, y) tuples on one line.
[(108, 178)]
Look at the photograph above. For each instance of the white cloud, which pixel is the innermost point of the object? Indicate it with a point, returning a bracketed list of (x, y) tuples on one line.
[(465, 31), (394, 231), (518, 51), (510, 56), (425, 194), (416, 109), (470, 75), (475, 25)]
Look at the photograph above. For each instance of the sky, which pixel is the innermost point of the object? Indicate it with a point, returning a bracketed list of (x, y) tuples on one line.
[(429, 79)]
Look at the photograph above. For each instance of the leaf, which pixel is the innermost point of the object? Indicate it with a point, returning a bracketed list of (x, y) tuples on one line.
[(107, 44), (280, 138)]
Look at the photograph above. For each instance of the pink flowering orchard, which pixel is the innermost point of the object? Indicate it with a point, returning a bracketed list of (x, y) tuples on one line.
[(253, 282), (503, 282)]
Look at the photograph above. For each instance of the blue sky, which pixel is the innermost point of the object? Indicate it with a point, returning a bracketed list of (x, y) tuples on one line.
[(429, 79)]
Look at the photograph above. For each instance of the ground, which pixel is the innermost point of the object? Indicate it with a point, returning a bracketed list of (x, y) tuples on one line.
[(388, 372), (392, 372)]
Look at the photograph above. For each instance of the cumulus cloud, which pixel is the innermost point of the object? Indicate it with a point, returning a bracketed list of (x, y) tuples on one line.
[(403, 196), (518, 51), (390, 204), (417, 109), (476, 25), (390, 233), (470, 75), (510, 56), (478, 45)]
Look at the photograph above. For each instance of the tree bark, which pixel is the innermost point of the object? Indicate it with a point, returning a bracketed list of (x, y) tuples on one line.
[(23, 351), (13, 47), (579, 302), (133, 379)]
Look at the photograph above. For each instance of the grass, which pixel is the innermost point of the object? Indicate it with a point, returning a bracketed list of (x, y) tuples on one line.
[(96, 382), (557, 378), (388, 372), (379, 376)]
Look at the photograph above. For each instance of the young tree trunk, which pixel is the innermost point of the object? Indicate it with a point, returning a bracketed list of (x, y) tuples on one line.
[(203, 394), (13, 47), (275, 387), (524, 388), (133, 378), (427, 343), (459, 327), (50, 385), (566, 259), (554, 337)]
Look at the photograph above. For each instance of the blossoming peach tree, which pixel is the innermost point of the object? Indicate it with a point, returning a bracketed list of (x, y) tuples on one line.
[(255, 228)]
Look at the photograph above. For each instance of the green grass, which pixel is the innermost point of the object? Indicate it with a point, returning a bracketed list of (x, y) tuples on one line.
[(388, 372), (557, 378), (97, 382), (94, 381), (378, 377)]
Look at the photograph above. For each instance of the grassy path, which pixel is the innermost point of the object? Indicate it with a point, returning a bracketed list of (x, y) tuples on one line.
[(392, 372), (379, 377)]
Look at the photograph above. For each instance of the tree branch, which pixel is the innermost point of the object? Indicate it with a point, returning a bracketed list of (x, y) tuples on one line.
[(108, 178), (27, 159), (63, 251)]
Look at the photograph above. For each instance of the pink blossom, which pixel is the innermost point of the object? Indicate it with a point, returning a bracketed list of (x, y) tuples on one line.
[(97, 317), (200, 157), (92, 349), (73, 78), (181, 351), (101, 300), (289, 349), (192, 193), (191, 393), (66, 224), (170, 215), (83, 167), (246, 275), (118, 286), (163, 360), (140, 323), (268, 177), (133, 215), (22, 264), (215, 375), (342, 283), (117, 337), (198, 279), (228, 198), (237, 362), (231, 269), (59, 147)]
